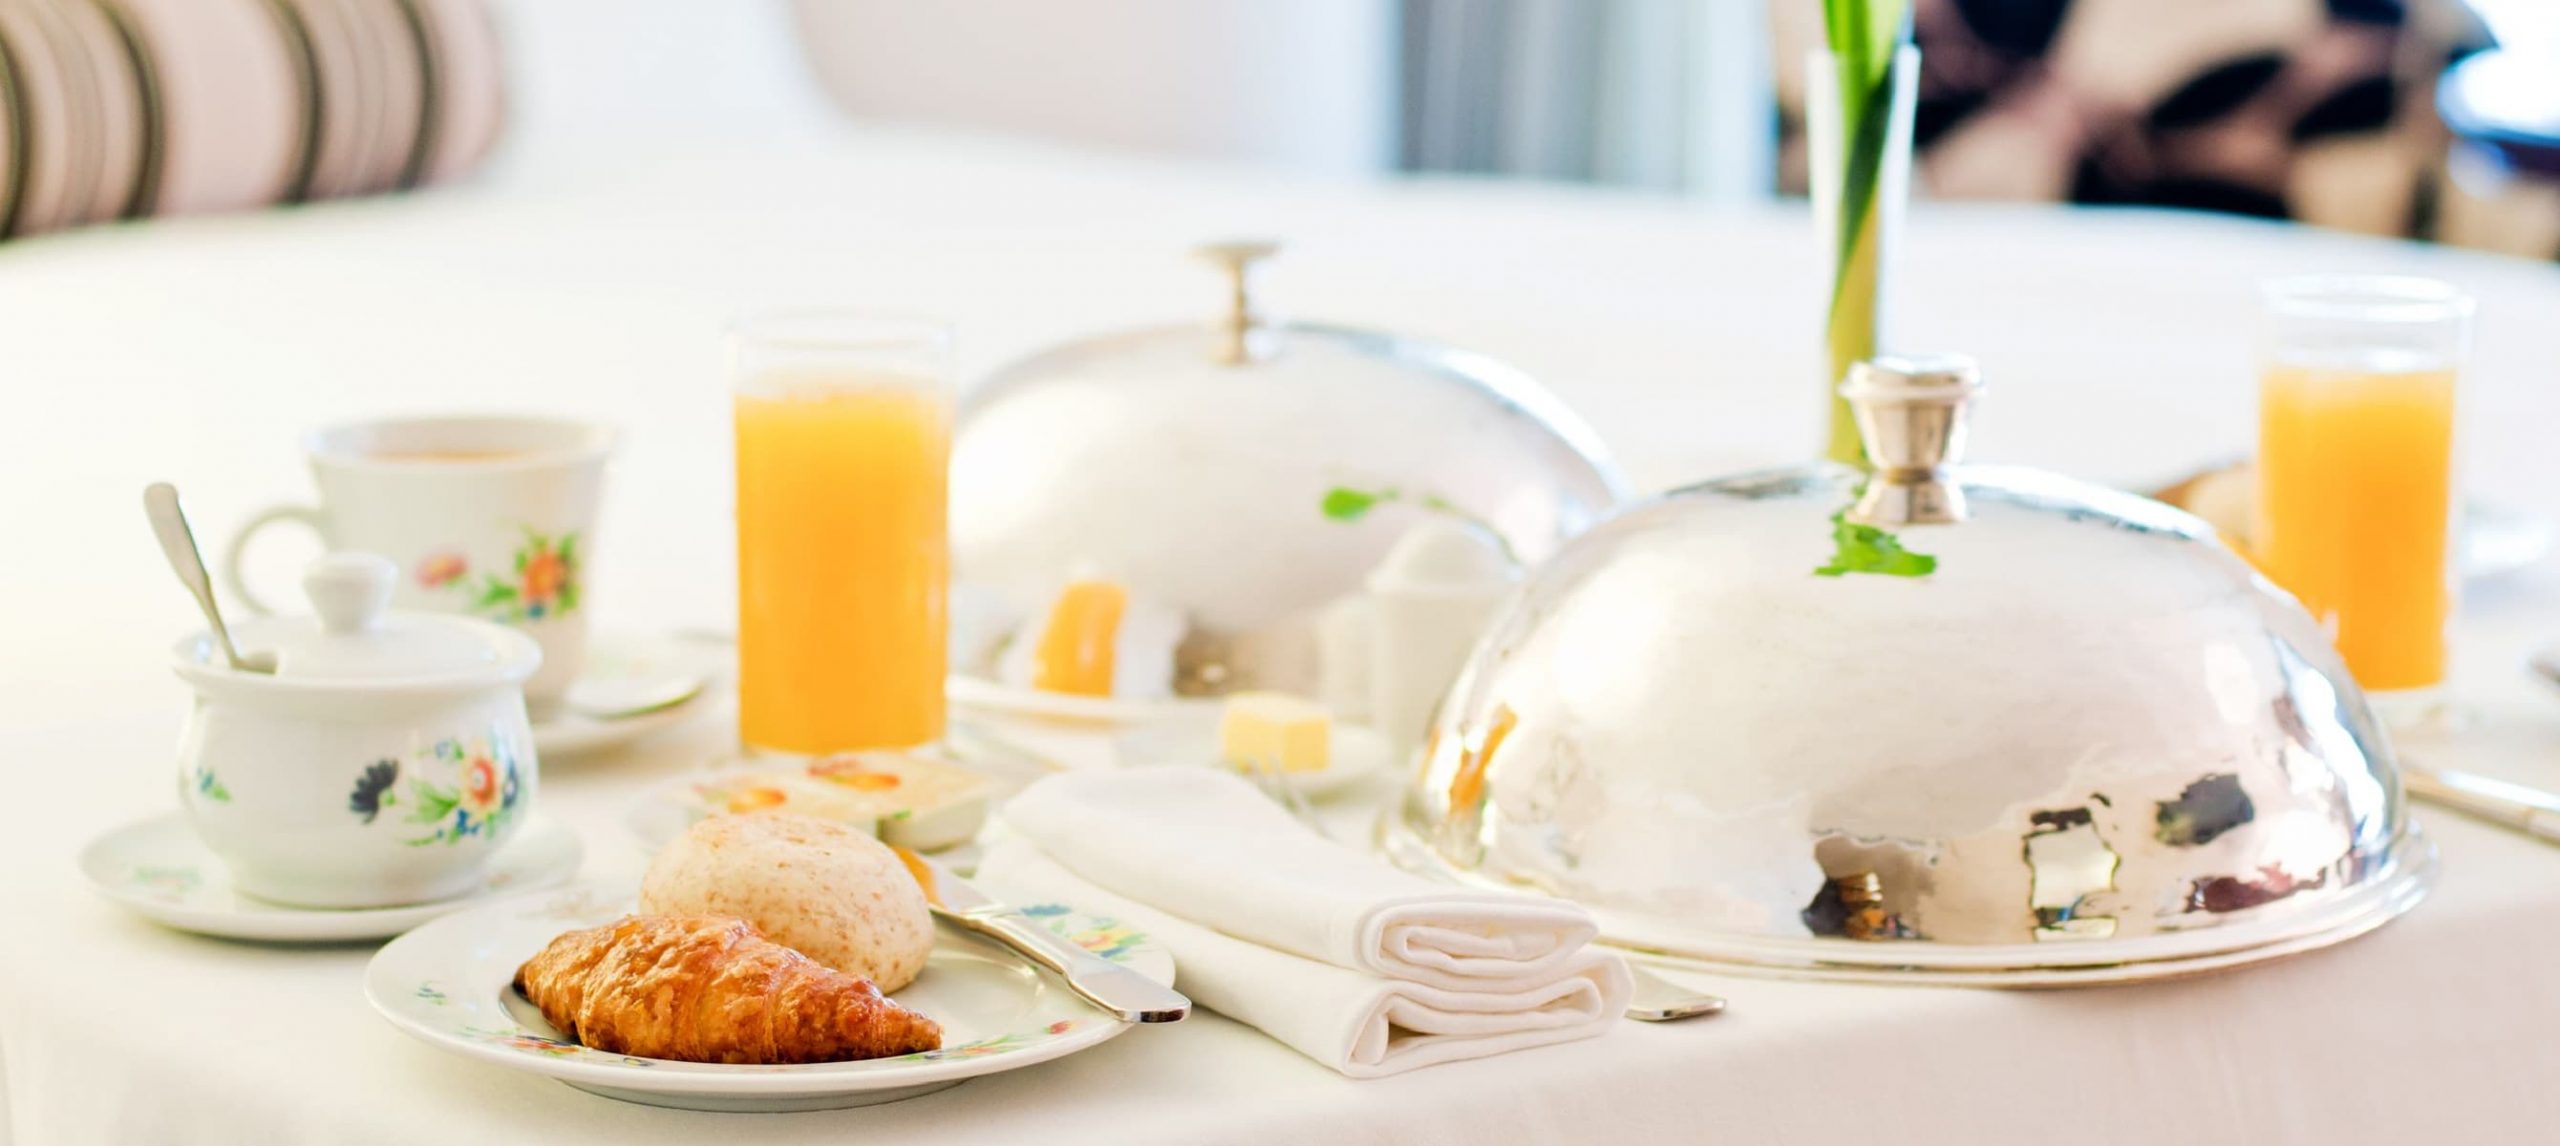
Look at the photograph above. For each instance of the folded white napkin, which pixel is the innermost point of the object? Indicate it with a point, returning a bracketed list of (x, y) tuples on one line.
[(1206, 846), (1359, 1024)]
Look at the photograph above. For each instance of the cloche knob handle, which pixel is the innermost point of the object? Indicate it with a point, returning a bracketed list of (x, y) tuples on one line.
[(1911, 412), (1238, 328), (349, 590)]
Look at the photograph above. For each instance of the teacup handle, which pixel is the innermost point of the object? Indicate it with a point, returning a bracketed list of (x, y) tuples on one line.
[(233, 579)]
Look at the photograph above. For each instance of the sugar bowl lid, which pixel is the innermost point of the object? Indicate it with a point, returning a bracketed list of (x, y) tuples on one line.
[(1206, 467), (1944, 722), (354, 638)]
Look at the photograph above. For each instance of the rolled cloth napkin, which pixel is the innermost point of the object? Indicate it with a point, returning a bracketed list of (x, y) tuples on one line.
[(1359, 1024), (1206, 846)]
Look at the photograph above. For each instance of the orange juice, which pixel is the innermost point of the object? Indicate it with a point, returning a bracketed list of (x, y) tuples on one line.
[(2354, 509), (843, 560), (1078, 653)]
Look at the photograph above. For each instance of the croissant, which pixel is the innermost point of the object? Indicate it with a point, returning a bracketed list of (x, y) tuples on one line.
[(711, 988)]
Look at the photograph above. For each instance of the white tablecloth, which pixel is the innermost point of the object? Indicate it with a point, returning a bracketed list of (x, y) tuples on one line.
[(2117, 346)]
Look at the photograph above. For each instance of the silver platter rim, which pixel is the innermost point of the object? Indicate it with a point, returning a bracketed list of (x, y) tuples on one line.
[(2412, 871)]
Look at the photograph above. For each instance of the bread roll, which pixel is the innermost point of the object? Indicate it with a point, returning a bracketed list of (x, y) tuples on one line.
[(825, 890)]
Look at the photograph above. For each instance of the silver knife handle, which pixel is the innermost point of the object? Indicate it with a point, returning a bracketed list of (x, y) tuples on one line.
[(2543, 825), (2530, 810), (1101, 982)]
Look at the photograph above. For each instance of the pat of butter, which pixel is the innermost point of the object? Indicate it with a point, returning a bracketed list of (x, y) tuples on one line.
[(1259, 729)]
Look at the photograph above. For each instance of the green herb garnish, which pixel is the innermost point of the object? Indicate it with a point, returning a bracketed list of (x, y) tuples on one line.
[(1342, 503), (1867, 549), (1345, 504)]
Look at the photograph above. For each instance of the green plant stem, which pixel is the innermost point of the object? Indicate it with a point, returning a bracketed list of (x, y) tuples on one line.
[(1865, 38)]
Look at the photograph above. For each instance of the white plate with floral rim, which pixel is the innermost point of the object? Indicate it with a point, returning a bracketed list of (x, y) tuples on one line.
[(160, 870), (451, 984)]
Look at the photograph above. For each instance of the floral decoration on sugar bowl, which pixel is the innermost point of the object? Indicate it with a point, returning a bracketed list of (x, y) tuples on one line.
[(456, 790), (541, 582)]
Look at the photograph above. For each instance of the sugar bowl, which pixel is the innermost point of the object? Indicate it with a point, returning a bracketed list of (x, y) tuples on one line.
[(384, 761)]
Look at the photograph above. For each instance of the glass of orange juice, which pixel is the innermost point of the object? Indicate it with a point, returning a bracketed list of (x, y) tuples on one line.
[(843, 454), (2356, 491)]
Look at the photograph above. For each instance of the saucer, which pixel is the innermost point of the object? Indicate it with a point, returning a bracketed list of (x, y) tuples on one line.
[(620, 666), (996, 698), (158, 869), (567, 734), (1359, 753), (451, 985)]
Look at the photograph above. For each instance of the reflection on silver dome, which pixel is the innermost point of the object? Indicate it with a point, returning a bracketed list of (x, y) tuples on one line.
[(2089, 743), (1193, 463)]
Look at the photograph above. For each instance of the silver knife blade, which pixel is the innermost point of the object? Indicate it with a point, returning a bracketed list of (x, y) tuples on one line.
[(1105, 984), (946, 891)]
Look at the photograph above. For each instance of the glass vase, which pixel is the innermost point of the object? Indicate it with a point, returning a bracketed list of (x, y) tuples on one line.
[(1858, 168)]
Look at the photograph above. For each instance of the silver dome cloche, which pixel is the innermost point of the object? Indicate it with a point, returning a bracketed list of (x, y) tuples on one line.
[(1948, 723), (1194, 463)]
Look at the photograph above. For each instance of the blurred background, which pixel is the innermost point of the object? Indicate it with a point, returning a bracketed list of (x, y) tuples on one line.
[(2434, 119), (2430, 118)]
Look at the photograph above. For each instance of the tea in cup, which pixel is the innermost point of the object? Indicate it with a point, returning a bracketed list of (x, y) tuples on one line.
[(488, 517)]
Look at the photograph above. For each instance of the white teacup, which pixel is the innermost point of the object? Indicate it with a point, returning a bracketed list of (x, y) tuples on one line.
[(489, 517)]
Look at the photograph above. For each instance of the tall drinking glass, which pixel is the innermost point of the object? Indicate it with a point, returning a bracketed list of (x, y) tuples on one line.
[(843, 452), (2356, 493)]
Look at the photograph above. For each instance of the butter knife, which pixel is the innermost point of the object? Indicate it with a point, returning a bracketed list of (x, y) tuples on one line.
[(1099, 981), (2529, 810), (1659, 1000)]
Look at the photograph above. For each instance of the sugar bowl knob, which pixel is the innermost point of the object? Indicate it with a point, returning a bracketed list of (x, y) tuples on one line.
[(1911, 411), (349, 590)]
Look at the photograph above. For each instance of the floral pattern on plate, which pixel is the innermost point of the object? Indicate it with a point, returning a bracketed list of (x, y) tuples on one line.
[(1103, 937), (166, 883)]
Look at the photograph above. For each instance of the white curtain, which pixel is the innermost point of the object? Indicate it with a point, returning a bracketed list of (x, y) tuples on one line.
[(1666, 94)]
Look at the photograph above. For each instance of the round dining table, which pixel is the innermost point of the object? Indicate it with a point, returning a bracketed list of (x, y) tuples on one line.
[(2117, 346)]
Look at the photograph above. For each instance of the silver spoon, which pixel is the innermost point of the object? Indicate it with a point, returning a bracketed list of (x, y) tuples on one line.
[(1659, 1000), (169, 524)]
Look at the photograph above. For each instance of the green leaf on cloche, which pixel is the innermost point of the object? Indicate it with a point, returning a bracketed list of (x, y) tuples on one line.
[(1867, 549)]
